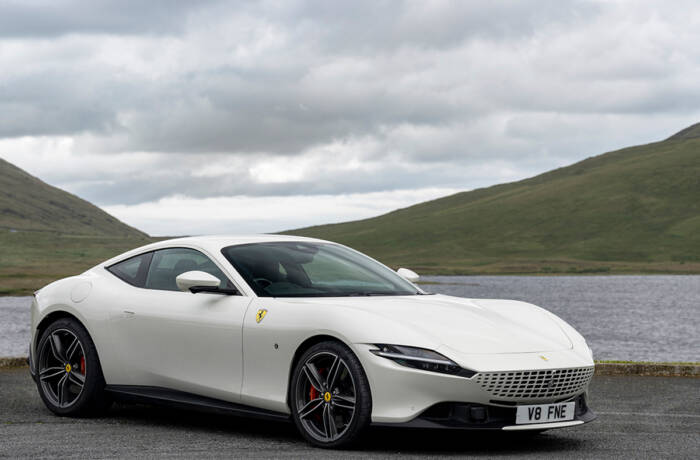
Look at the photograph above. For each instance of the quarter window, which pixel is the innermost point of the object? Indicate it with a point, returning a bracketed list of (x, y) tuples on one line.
[(132, 270), (167, 264)]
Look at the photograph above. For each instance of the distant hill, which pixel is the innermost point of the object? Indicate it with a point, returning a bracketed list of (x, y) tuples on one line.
[(47, 233), (28, 204), (691, 132), (631, 210)]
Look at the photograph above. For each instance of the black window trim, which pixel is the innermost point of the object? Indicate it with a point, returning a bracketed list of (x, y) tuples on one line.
[(143, 272), (143, 269)]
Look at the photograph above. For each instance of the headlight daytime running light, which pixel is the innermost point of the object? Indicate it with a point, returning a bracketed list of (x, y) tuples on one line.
[(421, 358)]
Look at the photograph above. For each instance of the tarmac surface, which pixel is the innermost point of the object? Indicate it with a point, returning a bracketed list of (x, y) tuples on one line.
[(638, 417)]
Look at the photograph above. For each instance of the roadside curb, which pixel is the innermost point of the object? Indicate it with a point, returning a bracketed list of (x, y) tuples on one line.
[(648, 369), (6, 363), (621, 369)]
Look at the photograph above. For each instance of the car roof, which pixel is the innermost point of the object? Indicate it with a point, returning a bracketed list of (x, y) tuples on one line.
[(230, 240), (210, 243)]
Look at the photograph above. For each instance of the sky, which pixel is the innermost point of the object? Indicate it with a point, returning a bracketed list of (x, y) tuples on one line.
[(186, 117)]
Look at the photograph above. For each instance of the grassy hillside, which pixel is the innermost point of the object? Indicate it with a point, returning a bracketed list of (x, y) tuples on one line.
[(27, 203), (47, 233), (631, 210), (30, 260)]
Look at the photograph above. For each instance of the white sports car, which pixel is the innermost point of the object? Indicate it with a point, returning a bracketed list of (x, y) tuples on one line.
[(301, 329)]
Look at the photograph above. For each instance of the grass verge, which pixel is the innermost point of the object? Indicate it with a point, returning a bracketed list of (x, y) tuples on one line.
[(620, 368)]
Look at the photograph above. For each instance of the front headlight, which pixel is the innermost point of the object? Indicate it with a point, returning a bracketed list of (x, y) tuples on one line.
[(421, 358)]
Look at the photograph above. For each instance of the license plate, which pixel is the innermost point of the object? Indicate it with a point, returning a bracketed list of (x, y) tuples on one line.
[(543, 413)]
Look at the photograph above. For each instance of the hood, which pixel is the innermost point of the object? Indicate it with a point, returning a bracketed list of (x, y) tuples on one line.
[(464, 325)]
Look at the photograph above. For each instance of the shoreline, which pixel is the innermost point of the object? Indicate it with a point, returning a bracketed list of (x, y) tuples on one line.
[(608, 368), (26, 292)]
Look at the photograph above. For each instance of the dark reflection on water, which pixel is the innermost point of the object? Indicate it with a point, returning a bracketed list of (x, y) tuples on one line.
[(14, 324), (641, 318)]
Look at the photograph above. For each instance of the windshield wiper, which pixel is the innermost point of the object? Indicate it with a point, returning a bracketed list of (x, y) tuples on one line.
[(339, 294), (371, 294), (367, 294)]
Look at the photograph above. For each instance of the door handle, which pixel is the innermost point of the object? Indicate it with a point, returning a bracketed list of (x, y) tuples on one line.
[(116, 315)]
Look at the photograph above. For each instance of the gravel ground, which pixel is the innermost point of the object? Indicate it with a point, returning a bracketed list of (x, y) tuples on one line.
[(639, 417)]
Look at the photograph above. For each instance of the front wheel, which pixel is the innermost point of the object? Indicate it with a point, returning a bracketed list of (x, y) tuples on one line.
[(330, 396), (69, 375)]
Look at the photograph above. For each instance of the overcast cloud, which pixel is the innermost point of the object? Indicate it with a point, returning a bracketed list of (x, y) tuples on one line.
[(210, 117)]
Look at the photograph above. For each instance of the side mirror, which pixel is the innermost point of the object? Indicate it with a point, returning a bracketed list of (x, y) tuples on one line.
[(196, 281), (408, 275)]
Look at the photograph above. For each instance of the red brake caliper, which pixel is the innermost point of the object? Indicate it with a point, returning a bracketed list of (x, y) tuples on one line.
[(313, 394), (82, 365)]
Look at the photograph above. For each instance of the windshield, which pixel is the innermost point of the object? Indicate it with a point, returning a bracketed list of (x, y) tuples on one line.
[(301, 269)]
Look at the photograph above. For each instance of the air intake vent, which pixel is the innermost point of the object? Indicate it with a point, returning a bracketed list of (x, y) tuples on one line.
[(542, 384)]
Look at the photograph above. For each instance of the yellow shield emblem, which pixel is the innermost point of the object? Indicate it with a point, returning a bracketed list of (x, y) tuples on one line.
[(260, 315), (542, 357)]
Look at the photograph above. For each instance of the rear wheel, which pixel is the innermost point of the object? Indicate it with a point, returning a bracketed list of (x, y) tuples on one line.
[(329, 396), (69, 376)]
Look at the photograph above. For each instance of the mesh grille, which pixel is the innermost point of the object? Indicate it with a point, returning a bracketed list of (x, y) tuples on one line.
[(550, 383)]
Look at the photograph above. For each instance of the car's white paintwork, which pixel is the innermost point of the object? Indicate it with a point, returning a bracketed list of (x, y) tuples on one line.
[(212, 345), (408, 275), (186, 281)]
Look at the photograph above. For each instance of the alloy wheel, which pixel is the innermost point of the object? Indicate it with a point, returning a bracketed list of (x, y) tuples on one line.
[(325, 396), (61, 370)]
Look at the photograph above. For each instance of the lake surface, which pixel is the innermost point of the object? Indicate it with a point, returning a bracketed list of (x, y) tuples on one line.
[(14, 324), (641, 318)]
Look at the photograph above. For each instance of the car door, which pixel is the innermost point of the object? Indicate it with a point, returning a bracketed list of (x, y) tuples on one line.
[(179, 340)]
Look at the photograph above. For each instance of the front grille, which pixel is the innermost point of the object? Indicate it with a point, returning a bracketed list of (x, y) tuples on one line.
[(550, 383)]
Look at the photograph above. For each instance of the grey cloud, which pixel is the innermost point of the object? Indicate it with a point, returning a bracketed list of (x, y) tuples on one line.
[(172, 176), (444, 90), (371, 26), (281, 119), (234, 108), (51, 18), (134, 190), (56, 102)]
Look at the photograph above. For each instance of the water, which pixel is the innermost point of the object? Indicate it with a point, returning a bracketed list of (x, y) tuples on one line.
[(14, 326), (641, 318)]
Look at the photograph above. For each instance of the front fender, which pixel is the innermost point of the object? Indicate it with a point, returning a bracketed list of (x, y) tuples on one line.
[(56, 300), (270, 345)]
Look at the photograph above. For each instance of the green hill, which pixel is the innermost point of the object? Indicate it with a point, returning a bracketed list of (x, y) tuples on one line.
[(47, 233), (28, 204), (631, 210)]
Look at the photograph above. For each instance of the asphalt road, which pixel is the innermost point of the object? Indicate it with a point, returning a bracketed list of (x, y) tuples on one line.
[(638, 417)]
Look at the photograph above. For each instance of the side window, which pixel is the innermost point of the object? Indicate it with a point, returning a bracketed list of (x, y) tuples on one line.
[(167, 264), (133, 270)]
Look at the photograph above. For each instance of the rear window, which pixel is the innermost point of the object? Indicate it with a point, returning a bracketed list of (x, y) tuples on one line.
[(133, 270)]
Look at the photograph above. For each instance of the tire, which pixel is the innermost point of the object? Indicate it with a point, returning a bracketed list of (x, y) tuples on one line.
[(67, 357), (334, 409)]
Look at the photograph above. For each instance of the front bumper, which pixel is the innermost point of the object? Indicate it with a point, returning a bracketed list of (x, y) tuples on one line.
[(468, 416), (30, 362), (401, 394)]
